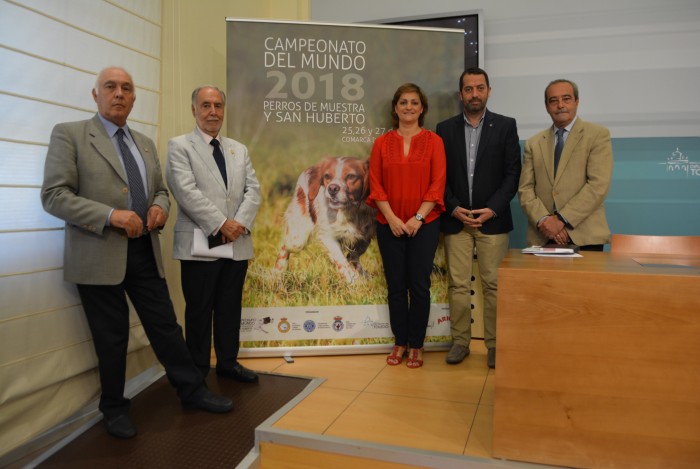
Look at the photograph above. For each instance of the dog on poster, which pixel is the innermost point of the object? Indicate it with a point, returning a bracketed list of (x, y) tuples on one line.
[(329, 203)]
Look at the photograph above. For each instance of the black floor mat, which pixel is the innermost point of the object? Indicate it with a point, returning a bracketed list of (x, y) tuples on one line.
[(171, 437)]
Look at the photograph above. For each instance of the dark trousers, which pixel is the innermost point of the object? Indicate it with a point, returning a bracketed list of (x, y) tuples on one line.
[(107, 313), (408, 264), (213, 290)]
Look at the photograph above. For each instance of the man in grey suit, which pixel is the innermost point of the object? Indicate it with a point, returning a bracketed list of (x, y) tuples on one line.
[(104, 180), (218, 195)]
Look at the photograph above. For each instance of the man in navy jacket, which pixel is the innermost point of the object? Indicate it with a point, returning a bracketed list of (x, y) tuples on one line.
[(483, 170)]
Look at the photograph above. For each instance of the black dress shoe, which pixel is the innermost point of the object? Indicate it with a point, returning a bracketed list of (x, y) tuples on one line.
[(239, 373), (120, 427), (210, 402)]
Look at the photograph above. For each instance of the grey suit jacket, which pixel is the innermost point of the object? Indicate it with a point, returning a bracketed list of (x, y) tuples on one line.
[(579, 189), (202, 198), (84, 179)]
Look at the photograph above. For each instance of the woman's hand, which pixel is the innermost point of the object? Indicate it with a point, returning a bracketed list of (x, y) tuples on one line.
[(398, 227), (412, 226)]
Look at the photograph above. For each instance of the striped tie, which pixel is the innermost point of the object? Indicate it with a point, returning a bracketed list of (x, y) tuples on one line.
[(139, 203)]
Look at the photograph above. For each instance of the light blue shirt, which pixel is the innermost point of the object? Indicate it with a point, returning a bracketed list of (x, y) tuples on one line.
[(111, 129), (566, 133)]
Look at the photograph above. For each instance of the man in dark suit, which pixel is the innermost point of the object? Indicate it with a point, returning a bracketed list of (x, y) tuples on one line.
[(483, 168), (218, 195), (104, 180)]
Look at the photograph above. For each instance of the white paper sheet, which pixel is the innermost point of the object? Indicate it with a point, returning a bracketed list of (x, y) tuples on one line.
[(200, 247)]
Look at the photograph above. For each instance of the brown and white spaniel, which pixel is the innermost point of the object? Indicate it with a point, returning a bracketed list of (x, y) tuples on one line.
[(329, 201)]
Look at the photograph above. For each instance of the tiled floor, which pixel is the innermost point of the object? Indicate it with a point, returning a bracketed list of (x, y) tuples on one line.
[(439, 407)]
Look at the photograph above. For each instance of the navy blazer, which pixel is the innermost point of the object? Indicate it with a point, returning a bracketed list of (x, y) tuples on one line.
[(496, 173)]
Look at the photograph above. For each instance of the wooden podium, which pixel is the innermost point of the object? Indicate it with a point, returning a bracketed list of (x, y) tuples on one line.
[(599, 361)]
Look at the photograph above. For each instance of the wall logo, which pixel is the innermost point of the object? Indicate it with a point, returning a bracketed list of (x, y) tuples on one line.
[(309, 325), (678, 163), (284, 326), (260, 323), (369, 322), (338, 323)]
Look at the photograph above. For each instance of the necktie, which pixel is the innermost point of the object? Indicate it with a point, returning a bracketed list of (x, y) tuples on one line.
[(139, 203), (219, 158), (558, 147)]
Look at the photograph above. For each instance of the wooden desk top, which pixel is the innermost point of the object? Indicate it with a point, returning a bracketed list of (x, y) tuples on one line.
[(625, 263)]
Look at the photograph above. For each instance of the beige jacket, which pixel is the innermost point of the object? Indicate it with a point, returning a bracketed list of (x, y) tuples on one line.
[(580, 187)]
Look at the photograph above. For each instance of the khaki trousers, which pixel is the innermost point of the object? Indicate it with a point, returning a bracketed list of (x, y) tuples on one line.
[(459, 251)]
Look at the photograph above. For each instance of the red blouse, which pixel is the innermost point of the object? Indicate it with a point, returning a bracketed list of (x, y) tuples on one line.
[(405, 181)]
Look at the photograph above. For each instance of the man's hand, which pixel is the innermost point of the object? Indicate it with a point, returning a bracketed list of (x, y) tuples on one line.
[(551, 226), (156, 218), (461, 214), (231, 230), (562, 237), (473, 218), (127, 220), (480, 216)]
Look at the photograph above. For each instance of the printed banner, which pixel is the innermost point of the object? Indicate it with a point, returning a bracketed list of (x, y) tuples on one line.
[(309, 100)]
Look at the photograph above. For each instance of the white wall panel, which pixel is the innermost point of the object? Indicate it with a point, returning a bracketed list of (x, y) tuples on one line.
[(14, 75), (104, 20), (55, 91), (32, 121), (637, 62), (149, 9), (46, 369), (50, 54), (54, 366), (26, 338), (19, 27), (38, 292), (624, 109), (21, 164), (22, 210), (151, 131), (31, 251), (147, 105)]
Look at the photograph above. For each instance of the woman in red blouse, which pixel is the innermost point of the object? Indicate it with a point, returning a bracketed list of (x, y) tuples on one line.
[(407, 184)]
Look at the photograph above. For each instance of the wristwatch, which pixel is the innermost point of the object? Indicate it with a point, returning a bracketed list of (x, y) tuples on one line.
[(419, 217)]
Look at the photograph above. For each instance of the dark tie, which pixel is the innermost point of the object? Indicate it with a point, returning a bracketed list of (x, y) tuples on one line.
[(139, 203), (558, 147), (219, 158)]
